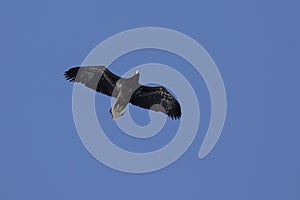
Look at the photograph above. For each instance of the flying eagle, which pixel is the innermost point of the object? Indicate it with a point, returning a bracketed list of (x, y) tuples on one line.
[(125, 90)]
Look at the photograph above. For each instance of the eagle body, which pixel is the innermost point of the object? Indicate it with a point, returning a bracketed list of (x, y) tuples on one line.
[(125, 90)]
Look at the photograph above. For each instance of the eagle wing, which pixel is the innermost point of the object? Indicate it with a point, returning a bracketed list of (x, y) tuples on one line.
[(157, 99), (98, 78)]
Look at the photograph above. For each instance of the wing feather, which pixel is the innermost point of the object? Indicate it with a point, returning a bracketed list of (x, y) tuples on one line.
[(157, 99), (98, 78)]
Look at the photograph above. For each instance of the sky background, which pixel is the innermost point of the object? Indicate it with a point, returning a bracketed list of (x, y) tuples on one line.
[(255, 45)]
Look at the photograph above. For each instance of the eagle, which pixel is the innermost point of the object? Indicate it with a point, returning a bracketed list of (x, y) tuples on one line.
[(125, 90)]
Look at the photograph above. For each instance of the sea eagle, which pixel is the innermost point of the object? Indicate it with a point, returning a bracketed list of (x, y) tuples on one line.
[(125, 90)]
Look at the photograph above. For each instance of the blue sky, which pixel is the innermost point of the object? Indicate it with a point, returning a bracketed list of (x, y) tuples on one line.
[(255, 45)]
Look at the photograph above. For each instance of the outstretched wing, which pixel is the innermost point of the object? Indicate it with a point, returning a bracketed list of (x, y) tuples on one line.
[(98, 78), (157, 99)]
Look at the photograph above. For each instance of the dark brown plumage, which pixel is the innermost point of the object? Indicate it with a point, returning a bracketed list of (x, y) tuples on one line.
[(125, 90)]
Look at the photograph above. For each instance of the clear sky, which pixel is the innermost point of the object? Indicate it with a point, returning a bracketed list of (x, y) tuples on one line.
[(256, 47)]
